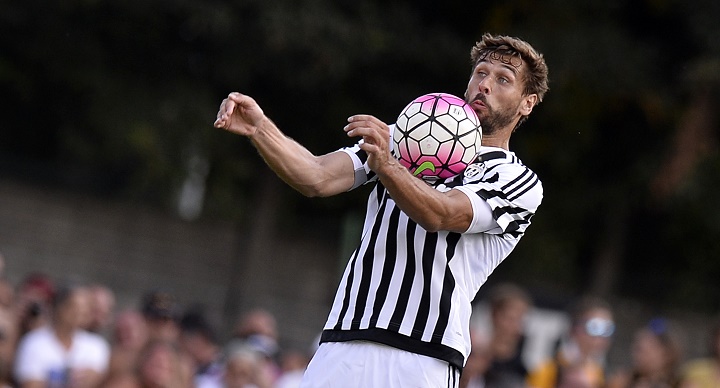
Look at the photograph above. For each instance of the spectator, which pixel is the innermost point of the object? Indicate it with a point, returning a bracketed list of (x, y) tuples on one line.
[(509, 305), (162, 366), (292, 368), (478, 362), (62, 352), (102, 307), (129, 337), (584, 348), (200, 341), (6, 290), (33, 297), (576, 376), (161, 314), (8, 341), (245, 369), (705, 372), (656, 355), (257, 329)]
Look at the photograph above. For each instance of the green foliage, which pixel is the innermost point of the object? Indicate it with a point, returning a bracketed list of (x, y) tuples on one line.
[(117, 97)]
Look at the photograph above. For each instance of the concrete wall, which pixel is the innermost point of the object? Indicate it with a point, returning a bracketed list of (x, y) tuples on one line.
[(76, 238)]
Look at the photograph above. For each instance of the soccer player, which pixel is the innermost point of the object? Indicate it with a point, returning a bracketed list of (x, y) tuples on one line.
[(401, 314)]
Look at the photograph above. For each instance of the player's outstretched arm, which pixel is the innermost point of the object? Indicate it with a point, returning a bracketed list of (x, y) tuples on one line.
[(309, 174), (431, 209)]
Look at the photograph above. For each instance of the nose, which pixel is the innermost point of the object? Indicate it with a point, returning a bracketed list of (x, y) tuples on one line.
[(484, 85)]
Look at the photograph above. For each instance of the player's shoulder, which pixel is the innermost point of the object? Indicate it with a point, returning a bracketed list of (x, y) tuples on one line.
[(491, 161), (493, 156)]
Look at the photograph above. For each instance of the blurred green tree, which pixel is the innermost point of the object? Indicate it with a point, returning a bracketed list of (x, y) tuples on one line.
[(118, 98)]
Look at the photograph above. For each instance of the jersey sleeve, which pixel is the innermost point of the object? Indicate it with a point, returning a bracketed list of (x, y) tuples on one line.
[(363, 173), (513, 193)]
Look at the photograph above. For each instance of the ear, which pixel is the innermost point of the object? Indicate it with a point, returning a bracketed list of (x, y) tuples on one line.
[(527, 104)]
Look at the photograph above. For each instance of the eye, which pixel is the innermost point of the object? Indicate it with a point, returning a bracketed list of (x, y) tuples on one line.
[(503, 80)]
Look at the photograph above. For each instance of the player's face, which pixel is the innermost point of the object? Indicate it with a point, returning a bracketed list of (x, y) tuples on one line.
[(495, 92)]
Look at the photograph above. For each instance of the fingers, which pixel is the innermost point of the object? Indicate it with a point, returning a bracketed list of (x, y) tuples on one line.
[(366, 118), (227, 107), (366, 126), (374, 132)]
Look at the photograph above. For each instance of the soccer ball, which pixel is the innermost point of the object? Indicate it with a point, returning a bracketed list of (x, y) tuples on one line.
[(436, 136)]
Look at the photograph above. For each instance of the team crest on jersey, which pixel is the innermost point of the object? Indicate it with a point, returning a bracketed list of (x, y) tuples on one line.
[(474, 170)]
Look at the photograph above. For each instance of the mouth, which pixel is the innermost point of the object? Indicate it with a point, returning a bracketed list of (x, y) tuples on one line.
[(479, 102), (478, 106)]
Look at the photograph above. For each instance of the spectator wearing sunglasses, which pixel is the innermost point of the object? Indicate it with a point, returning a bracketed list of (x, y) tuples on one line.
[(583, 350), (656, 353)]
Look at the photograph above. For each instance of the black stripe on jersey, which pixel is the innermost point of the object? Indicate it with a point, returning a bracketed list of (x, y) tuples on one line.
[(457, 180), (348, 287), (452, 240), (403, 297), (367, 262), (526, 179), (362, 155), (492, 155), (516, 224), (388, 266), (428, 255), (380, 192), (412, 345), (351, 277), (529, 184)]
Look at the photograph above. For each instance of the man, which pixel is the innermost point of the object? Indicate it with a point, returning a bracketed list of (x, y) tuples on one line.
[(62, 353), (199, 340), (160, 310), (509, 306), (582, 353), (401, 313), (102, 306)]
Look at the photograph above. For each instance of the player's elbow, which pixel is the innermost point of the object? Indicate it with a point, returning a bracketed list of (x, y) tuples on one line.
[(430, 224), (457, 223), (312, 191), (315, 190)]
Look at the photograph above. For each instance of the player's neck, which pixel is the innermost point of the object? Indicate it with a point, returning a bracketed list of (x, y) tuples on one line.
[(498, 140)]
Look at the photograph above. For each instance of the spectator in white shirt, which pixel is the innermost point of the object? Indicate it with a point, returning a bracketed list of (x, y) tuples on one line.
[(62, 354)]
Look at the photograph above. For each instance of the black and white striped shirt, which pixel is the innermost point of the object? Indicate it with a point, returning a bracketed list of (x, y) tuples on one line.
[(411, 289)]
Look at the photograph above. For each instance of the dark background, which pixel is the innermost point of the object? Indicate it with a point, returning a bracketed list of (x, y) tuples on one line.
[(116, 100)]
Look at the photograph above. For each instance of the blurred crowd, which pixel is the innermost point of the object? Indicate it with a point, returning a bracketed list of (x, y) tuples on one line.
[(579, 356), (57, 334), (62, 335)]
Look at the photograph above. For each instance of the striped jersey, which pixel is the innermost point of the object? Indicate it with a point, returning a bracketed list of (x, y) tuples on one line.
[(412, 289)]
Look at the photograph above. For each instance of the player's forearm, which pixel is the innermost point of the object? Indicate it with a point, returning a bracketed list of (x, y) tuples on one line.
[(296, 165), (429, 208)]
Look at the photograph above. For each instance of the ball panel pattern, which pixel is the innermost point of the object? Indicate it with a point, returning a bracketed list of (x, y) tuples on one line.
[(437, 135)]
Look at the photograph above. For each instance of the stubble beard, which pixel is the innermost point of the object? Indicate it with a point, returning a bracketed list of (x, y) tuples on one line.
[(492, 121)]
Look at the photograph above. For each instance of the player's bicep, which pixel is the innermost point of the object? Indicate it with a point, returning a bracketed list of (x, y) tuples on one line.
[(338, 173), (460, 213)]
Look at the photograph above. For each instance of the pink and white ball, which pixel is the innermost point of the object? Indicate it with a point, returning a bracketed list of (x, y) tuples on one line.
[(437, 135)]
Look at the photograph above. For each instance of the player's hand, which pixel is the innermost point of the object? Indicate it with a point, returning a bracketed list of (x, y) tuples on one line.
[(239, 114), (376, 139)]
